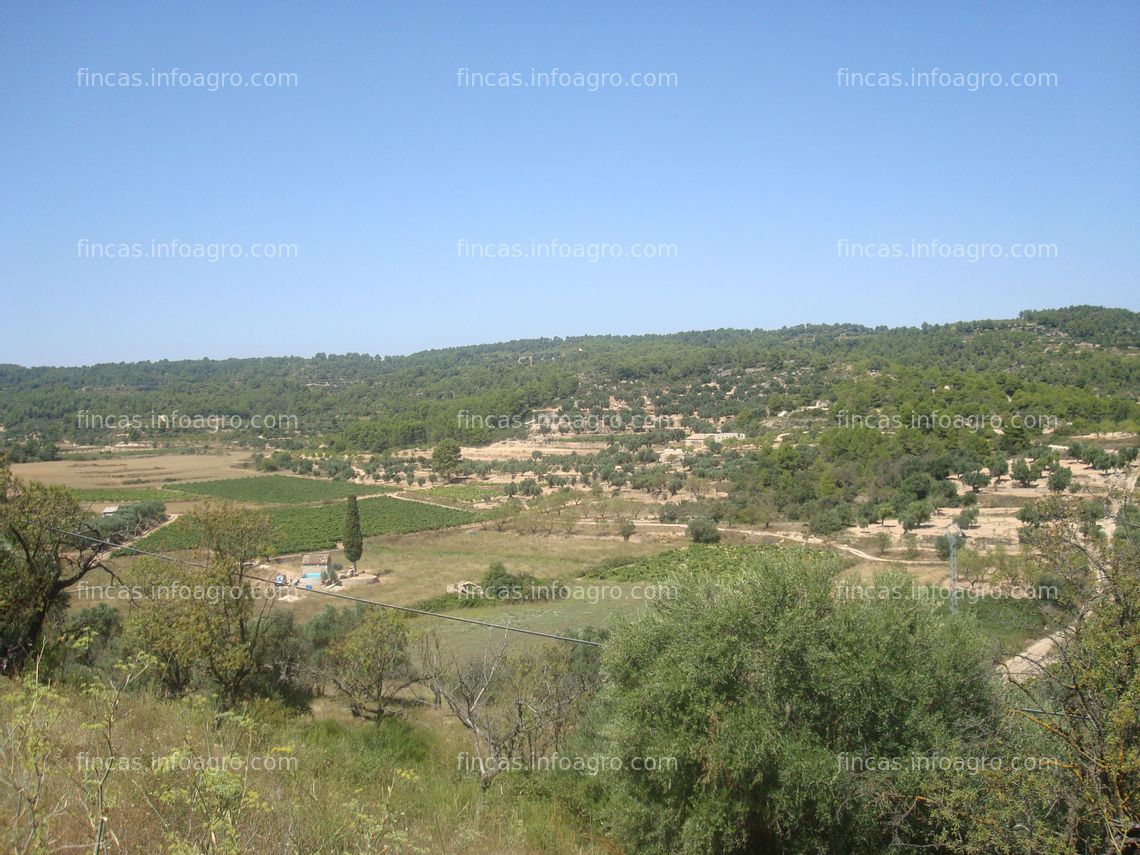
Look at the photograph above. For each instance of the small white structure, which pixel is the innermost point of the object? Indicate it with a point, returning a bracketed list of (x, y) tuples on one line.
[(468, 589), (110, 510)]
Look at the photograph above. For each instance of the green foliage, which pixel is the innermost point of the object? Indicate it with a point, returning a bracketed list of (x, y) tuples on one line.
[(914, 515), (626, 528), (1060, 479), (1012, 623), (30, 450), (761, 683), (827, 521), (498, 583), (976, 480), (39, 561), (352, 539), (999, 467), (1022, 473), (967, 518), (370, 664), (703, 530), (882, 542), (942, 547), (1111, 327), (127, 521), (445, 458), (378, 404)]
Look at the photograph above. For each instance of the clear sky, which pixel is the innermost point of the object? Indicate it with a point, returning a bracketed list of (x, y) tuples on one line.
[(744, 170)]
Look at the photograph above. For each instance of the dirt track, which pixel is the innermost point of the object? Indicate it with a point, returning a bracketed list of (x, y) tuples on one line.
[(1032, 660)]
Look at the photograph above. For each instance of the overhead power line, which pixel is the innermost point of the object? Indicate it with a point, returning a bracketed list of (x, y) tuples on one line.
[(341, 596)]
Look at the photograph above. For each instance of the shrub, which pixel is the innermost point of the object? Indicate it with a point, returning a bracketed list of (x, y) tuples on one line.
[(703, 530)]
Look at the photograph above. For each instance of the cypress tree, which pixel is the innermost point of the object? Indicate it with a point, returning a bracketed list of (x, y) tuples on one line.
[(353, 541)]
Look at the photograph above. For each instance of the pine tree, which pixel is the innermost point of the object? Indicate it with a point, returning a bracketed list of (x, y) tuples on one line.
[(353, 540)]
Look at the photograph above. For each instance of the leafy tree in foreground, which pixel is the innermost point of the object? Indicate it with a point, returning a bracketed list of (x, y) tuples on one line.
[(518, 709), (1092, 688), (353, 541), (227, 633), (771, 692), (38, 562), (370, 664)]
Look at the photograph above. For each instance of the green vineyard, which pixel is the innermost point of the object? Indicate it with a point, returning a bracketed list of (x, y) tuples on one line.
[(278, 489), (126, 494), (320, 527)]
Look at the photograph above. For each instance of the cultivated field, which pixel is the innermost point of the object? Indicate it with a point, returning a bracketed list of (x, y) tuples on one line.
[(151, 471), (415, 548), (279, 489), (321, 526), (414, 567)]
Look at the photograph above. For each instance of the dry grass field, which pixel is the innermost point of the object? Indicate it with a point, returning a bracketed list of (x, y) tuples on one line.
[(414, 567), (144, 471)]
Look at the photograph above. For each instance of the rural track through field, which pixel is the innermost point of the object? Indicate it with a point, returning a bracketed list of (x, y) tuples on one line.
[(421, 501), (1032, 660), (128, 544), (806, 540)]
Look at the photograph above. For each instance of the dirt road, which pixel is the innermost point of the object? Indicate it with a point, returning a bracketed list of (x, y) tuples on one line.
[(1032, 660)]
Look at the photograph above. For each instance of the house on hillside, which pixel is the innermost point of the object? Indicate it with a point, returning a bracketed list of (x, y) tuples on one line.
[(315, 562)]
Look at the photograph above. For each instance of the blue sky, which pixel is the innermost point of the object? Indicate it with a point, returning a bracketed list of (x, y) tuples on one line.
[(747, 173)]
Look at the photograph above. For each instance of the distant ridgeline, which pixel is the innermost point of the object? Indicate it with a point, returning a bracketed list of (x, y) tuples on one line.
[(1078, 366)]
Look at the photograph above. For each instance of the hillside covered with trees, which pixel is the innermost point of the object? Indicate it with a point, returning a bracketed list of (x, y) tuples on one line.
[(1075, 364)]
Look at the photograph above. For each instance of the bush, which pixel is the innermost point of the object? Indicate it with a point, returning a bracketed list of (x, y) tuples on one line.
[(703, 530), (500, 584), (967, 518), (626, 529), (942, 547), (1060, 479), (826, 521), (756, 703)]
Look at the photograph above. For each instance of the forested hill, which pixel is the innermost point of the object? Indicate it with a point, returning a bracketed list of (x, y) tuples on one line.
[(1078, 363)]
